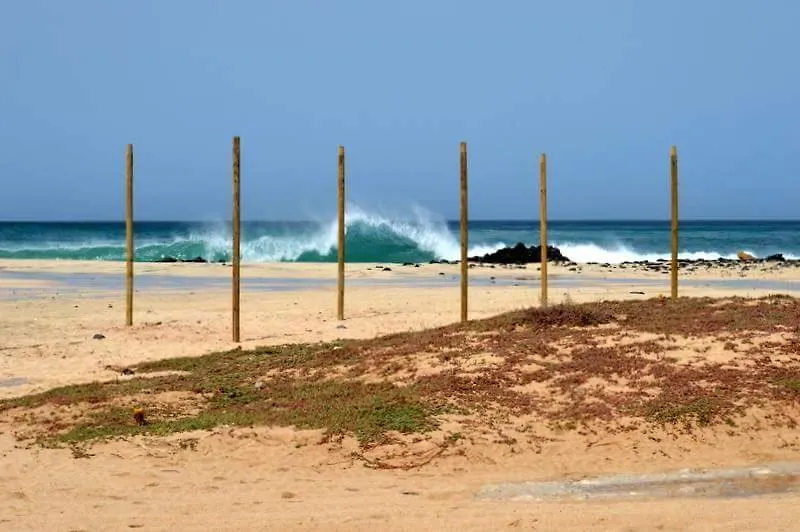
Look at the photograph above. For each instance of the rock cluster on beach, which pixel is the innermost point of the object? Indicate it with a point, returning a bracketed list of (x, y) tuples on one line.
[(197, 260), (743, 263), (520, 254)]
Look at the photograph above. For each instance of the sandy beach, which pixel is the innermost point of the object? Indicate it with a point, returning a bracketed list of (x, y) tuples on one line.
[(282, 479)]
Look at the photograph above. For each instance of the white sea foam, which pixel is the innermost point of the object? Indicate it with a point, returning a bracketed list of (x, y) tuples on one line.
[(589, 252)]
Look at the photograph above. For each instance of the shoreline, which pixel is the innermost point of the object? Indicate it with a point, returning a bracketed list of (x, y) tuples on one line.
[(23, 285), (37, 269)]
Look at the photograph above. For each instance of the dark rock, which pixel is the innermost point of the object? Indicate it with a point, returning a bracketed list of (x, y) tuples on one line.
[(520, 254), (408, 264), (637, 292), (99, 336), (127, 371), (778, 257), (196, 259), (387, 269)]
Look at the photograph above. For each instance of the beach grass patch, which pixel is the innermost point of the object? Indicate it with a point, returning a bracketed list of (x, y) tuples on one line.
[(367, 411)]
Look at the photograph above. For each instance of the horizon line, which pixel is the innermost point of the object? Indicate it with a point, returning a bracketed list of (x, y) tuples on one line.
[(496, 220)]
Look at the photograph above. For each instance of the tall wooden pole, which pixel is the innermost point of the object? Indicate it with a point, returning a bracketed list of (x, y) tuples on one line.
[(543, 224), (464, 234), (129, 236), (236, 240), (673, 156), (340, 240)]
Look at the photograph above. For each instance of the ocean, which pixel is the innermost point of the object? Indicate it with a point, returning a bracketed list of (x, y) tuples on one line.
[(374, 238)]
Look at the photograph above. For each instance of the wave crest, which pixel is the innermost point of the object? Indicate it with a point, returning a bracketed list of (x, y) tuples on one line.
[(370, 237)]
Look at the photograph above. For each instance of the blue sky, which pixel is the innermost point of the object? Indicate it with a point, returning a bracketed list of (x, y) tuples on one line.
[(605, 88)]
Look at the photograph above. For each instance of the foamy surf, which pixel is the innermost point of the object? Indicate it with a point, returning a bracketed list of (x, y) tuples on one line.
[(412, 236), (589, 252)]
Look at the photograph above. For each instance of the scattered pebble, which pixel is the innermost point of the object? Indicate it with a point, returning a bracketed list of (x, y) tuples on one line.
[(98, 336)]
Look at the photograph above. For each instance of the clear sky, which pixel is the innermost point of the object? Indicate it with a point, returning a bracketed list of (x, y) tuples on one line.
[(604, 87)]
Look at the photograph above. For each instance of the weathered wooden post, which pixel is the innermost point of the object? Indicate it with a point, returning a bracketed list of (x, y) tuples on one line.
[(129, 236), (464, 234), (340, 240), (236, 258), (674, 178), (543, 225)]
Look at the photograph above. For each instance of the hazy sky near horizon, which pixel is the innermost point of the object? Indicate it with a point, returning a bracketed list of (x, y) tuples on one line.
[(605, 88)]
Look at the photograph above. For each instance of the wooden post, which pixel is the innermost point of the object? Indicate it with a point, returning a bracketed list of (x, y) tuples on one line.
[(129, 236), (543, 225), (464, 234), (673, 156), (340, 240), (236, 258)]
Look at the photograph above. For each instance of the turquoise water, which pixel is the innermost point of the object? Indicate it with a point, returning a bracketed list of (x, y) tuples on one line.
[(373, 238)]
